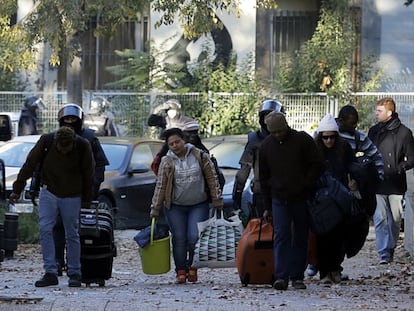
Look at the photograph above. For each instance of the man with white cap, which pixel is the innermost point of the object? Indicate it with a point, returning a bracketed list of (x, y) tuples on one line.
[(289, 167)]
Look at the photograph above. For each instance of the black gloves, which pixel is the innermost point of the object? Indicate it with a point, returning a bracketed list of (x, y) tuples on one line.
[(402, 168), (13, 198)]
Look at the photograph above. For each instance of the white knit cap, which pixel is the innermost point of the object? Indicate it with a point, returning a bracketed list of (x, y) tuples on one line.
[(328, 124)]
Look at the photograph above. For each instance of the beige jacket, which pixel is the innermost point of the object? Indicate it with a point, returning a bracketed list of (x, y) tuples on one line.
[(164, 187)]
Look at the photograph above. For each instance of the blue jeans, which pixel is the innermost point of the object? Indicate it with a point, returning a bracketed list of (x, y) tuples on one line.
[(183, 226), (387, 222), (69, 208), (291, 226)]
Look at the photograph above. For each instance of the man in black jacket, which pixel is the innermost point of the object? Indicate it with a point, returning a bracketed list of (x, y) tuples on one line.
[(289, 167), (396, 143), (67, 177), (72, 115)]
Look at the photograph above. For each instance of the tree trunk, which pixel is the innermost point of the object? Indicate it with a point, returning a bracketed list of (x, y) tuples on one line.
[(74, 72)]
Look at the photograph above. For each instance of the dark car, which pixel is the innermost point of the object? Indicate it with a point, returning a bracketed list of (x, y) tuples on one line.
[(129, 182), (228, 150)]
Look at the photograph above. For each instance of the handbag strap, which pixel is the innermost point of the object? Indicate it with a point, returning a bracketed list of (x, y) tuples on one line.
[(357, 141), (152, 230)]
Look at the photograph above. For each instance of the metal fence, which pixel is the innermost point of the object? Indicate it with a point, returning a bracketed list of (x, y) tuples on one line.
[(131, 110)]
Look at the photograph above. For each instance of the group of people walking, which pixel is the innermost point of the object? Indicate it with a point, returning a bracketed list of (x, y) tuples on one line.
[(286, 164), (290, 163)]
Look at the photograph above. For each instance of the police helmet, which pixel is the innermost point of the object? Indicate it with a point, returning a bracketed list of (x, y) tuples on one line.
[(270, 105), (71, 110), (267, 107), (173, 104), (98, 105), (34, 102)]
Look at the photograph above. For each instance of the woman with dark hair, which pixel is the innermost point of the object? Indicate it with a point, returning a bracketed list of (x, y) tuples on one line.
[(184, 176), (338, 156)]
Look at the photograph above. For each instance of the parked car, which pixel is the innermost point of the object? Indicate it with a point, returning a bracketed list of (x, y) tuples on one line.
[(129, 182), (228, 150)]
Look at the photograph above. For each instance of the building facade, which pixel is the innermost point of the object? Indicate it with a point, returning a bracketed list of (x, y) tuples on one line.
[(384, 27)]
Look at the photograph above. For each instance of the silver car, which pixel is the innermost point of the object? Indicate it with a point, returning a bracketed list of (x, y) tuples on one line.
[(129, 181), (228, 150)]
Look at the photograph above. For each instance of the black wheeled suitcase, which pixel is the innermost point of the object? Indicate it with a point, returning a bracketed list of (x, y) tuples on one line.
[(97, 245)]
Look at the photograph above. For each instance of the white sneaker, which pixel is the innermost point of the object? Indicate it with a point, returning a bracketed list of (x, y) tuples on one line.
[(311, 270)]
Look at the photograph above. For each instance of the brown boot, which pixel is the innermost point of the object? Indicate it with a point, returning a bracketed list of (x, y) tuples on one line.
[(181, 277), (192, 275)]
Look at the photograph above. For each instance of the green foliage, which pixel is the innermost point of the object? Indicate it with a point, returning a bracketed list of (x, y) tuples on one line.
[(15, 50), (7, 80), (141, 71), (198, 17), (136, 109), (56, 21), (134, 69), (28, 225), (325, 57), (224, 115)]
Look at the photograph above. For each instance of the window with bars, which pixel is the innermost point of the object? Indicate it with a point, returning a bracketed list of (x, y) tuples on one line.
[(290, 30)]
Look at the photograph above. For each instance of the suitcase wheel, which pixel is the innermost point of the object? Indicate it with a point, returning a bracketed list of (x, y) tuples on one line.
[(245, 280), (101, 283)]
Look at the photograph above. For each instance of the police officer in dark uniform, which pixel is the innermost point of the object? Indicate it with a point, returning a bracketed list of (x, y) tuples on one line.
[(72, 115), (250, 160), (100, 119), (28, 116)]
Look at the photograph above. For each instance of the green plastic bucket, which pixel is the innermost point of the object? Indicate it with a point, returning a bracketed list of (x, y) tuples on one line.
[(155, 257)]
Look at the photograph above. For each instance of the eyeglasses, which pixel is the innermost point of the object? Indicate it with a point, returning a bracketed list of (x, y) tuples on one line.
[(329, 137)]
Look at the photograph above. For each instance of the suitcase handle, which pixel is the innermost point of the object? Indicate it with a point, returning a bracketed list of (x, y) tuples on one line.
[(266, 244), (263, 244), (260, 229)]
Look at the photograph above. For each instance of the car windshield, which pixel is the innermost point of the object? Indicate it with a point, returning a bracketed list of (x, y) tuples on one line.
[(15, 154), (228, 154), (115, 154)]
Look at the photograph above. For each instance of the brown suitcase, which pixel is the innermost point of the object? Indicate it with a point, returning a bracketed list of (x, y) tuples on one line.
[(254, 257)]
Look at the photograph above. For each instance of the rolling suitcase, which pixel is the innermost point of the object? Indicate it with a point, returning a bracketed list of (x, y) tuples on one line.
[(97, 245), (254, 258)]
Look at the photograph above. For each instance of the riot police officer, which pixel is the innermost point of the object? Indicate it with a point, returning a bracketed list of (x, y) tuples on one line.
[(28, 116), (250, 160)]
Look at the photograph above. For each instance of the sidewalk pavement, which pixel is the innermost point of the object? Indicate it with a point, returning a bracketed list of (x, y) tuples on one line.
[(371, 286)]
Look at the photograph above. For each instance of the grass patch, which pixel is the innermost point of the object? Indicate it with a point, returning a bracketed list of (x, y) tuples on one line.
[(28, 225)]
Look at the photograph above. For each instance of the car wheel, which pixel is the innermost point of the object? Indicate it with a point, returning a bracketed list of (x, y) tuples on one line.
[(106, 203)]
